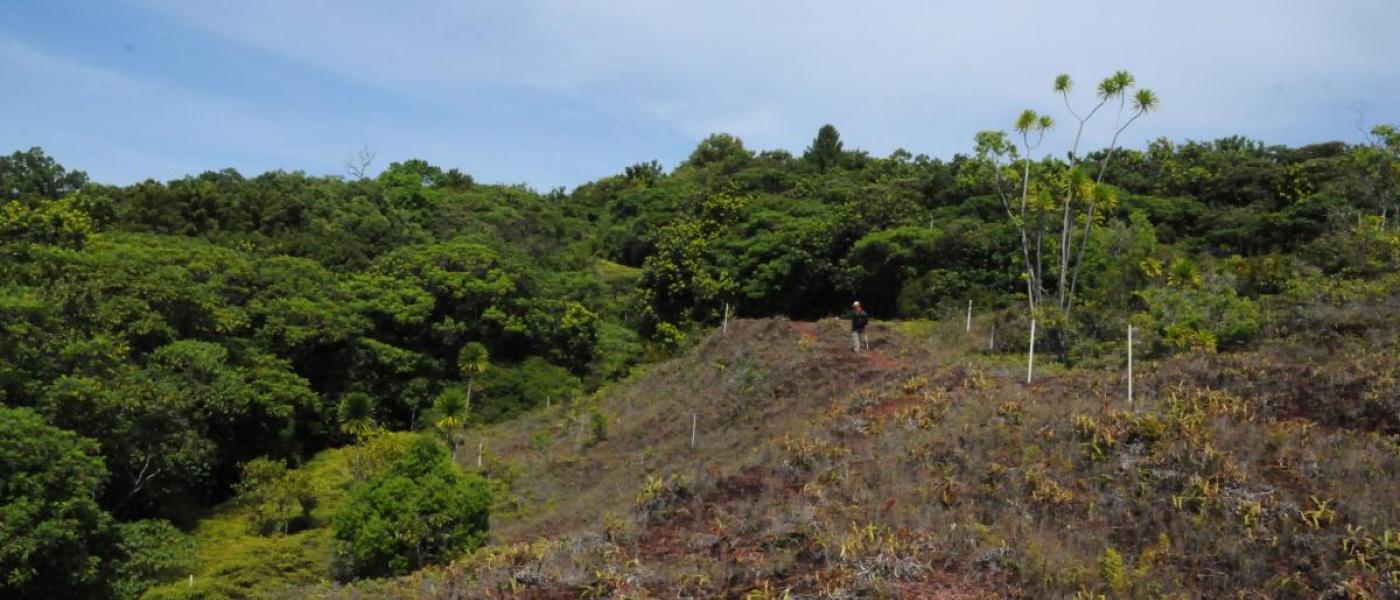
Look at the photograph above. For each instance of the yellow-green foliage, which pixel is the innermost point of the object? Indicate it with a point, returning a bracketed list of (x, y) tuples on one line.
[(614, 274), (1111, 569), (233, 561)]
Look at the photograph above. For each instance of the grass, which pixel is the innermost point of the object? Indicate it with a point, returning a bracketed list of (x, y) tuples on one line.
[(616, 275), (233, 561)]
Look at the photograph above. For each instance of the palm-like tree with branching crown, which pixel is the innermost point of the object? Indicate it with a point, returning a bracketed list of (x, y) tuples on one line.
[(451, 409), (356, 417)]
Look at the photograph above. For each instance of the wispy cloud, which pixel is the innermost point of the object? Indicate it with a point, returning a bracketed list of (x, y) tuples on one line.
[(556, 92), (117, 124)]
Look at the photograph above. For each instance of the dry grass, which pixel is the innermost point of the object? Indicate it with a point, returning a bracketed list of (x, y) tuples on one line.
[(925, 470)]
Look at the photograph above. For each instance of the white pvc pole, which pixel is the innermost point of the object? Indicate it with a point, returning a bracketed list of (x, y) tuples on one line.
[(1130, 365), (992, 340), (692, 430), (724, 329), (969, 315), (1030, 357)]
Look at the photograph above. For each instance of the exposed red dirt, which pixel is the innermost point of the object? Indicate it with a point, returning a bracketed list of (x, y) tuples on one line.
[(888, 407), (839, 347)]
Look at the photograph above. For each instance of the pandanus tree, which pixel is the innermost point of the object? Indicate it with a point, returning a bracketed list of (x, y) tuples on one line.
[(356, 417), (453, 404), (1031, 191), (451, 408), (472, 360)]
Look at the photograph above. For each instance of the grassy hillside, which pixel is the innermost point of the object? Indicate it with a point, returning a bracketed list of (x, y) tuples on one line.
[(182, 345), (926, 469), (232, 560)]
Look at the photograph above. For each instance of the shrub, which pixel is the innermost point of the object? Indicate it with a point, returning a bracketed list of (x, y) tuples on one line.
[(1204, 317), (540, 440), (422, 511), (597, 426), (152, 551), (278, 500), (668, 338)]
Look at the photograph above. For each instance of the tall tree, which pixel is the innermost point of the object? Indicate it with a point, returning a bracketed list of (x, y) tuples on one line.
[(1066, 188), (825, 151), (472, 361)]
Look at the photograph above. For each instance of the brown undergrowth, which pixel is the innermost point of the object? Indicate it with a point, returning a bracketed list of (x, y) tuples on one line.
[(920, 470)]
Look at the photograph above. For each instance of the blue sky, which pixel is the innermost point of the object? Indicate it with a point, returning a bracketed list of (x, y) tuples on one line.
[(558, 93)]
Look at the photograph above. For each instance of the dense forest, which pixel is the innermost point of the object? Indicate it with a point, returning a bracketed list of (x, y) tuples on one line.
[(166, 347)]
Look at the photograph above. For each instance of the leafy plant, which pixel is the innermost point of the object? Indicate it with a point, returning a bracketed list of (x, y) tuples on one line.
[(421, 511)]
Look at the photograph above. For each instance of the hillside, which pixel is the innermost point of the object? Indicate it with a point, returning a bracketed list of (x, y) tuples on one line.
[(925, 469), (263, 381)]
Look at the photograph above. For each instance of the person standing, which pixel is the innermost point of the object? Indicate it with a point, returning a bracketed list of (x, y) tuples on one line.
[(859, 319)]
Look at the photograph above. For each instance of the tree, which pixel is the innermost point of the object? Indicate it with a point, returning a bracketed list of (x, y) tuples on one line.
[(682, 279), (358, 167), (279, 500), (715, 159), (451, 407), (1066, 188), (53, 534), (472, 360), (32, 173), (422, 511), (825, 151), (51, 222), (1379, 160), (356, 417)]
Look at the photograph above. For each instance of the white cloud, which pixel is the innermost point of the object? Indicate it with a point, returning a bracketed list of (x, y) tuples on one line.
[(776, 70), (561, 90)]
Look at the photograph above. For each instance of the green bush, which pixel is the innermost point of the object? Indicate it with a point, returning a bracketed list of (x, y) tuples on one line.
[(507, 391), (153, 551), (422, 511), (278, 500), (668, 338), (1207, 317), (53, 534), (597, 426)]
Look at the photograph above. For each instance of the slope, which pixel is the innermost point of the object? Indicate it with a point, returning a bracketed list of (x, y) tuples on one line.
[(922, 469)]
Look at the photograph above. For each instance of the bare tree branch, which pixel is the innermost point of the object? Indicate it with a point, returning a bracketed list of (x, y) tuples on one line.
[(358, 166)]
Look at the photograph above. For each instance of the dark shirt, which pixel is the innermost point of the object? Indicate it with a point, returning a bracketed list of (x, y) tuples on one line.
[(859, 318)]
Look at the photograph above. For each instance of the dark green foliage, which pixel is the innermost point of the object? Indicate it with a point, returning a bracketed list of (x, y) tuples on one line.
[(825, 151), (422, 511), (151, 551), (32, 174), (508, 391), (53, 534)]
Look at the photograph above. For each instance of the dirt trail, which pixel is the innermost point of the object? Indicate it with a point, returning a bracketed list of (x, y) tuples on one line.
[(838, 345)]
